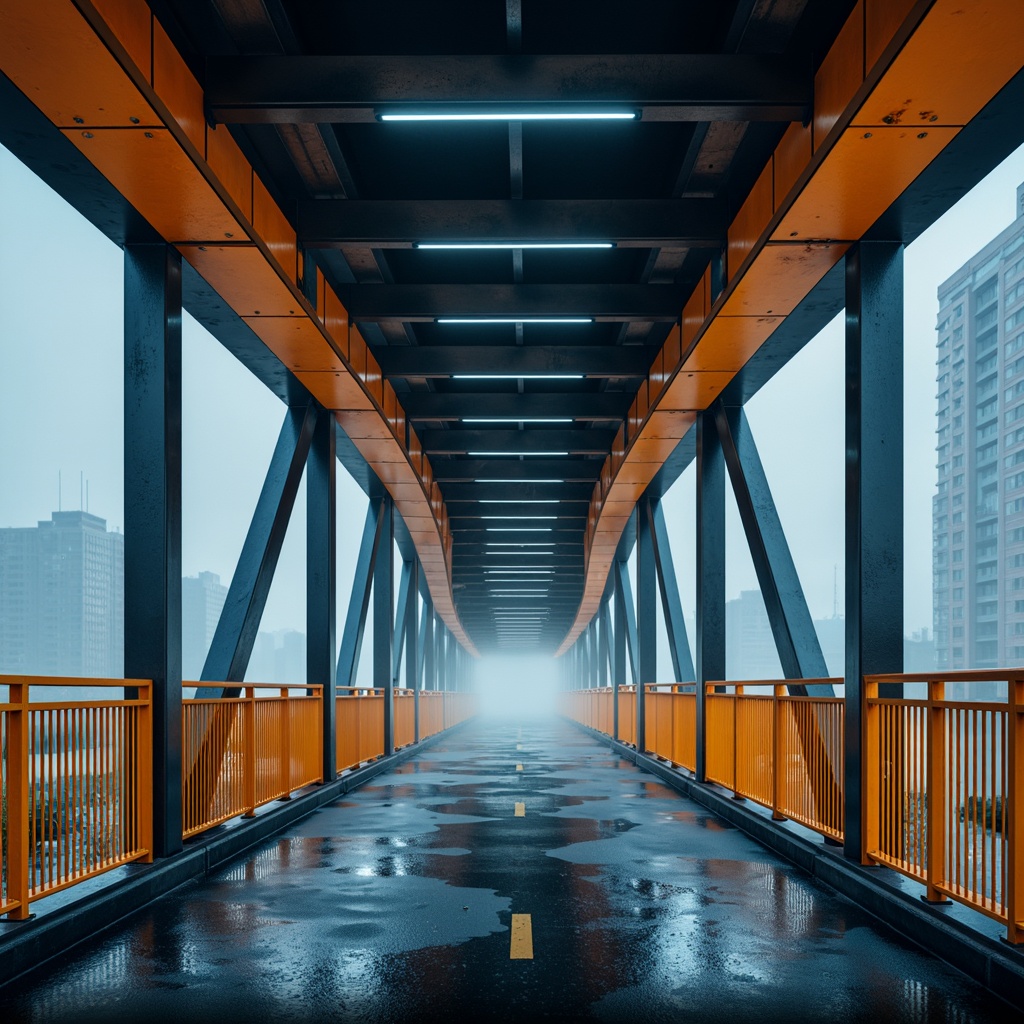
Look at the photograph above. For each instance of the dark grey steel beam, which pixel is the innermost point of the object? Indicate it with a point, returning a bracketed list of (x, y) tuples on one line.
[(563, 470), (874, 494), (451, 360), (239, 621), (672, 606), (671, 87), (618, 615), (413, 643), (400, 223), (321, 574), (784, 601), (401, 611), (435, 406), (594, 441), (383, 618), (411, 303), (359, 601), (569, 494), (710, 573), (429, 639), (624, 596), (646, 614), (152, 511)]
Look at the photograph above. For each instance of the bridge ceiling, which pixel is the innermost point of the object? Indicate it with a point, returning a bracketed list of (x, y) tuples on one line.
[(517, 417)]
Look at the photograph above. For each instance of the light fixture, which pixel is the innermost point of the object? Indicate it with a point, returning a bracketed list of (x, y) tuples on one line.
[(519, 517), (514, 320), (487, 455), (518, 529), (459, 246), (499, 114), (519, 593), (517, 419), (496, 480), (519, 501)]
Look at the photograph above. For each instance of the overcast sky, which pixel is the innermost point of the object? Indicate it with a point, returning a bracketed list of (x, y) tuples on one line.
[(60, 364)]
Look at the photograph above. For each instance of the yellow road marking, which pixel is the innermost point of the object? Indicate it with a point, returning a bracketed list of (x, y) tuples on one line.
[(520, 810), (519, 767), (521, 947)]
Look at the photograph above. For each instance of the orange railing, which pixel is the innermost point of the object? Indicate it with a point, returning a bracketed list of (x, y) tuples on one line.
[(76, 784), (241, 752), (781, 751), (627, 715), (405, 718), (431, 713), (360, 725), (670, 711), (458, 706), (944, 789)]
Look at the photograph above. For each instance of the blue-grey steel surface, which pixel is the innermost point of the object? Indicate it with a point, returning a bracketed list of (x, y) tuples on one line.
[(152, 512), (874, 491)]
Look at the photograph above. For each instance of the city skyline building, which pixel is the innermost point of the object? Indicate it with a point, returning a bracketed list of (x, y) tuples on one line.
[(62, 597), (202, 599), (978, 505)]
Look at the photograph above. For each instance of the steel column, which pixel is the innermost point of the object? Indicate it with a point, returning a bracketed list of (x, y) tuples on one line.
[(152, 513), (359, 601), (672, 606), (321, 576), (421, 643), (401, 612), (383, 619), (239, 621), (624, 590), (412, 636), (618, 650), (646, 614), (429, 670), (603, 644), (874, 493), (710, 571)]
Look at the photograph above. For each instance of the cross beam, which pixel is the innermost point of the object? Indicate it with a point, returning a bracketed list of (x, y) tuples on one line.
[(521, 360), (430, 405), (424, 303), (660, 87), (401, 223)]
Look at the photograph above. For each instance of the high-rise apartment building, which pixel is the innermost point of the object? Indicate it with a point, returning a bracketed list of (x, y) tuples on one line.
[(978, 507), (202, 599), (62, 598)]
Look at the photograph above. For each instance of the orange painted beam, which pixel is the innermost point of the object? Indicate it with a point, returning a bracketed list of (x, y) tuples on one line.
[(901, 80), (108, 77)]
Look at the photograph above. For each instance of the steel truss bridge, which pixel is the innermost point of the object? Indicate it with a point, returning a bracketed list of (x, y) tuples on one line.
[(515, 267)]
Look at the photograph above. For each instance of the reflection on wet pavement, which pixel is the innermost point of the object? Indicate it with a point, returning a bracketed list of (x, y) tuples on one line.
[(395, 904)]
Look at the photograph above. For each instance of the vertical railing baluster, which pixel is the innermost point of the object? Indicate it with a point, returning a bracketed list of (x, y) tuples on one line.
[(249, 751), (1014, 798), (935, 805)]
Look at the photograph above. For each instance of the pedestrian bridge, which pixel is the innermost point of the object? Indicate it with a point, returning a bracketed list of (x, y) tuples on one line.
[(515, 267)]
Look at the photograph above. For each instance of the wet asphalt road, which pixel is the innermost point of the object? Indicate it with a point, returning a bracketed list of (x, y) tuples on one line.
[(395, 904)]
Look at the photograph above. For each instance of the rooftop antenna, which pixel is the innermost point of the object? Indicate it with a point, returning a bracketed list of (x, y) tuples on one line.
[(81, 490), (59, 507)]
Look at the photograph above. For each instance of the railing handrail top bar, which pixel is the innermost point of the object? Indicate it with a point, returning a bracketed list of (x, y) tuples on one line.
[(19, 680), (203, 684), (818, 681), (974, 675)]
